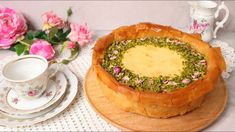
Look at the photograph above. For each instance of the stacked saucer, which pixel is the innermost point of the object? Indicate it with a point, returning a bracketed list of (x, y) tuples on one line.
[(17, 111)]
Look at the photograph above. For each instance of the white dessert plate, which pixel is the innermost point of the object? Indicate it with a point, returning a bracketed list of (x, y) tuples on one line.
[(33, 115)]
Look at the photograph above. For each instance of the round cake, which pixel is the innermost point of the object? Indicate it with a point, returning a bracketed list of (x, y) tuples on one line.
[(156, 70)]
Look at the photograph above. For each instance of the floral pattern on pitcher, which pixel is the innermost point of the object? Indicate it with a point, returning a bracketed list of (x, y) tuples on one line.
[(197, 27)]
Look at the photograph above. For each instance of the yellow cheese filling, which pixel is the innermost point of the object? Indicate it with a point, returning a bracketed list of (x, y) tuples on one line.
[(152, 61)]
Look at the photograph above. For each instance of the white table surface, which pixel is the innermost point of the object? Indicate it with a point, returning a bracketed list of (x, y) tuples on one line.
[(88, 120), (226, 121)]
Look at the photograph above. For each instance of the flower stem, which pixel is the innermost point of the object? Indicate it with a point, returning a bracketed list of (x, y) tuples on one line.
[(72, 57), (24, 43)]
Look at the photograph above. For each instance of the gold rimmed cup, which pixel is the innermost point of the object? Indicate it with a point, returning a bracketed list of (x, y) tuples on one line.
[(28, 75)]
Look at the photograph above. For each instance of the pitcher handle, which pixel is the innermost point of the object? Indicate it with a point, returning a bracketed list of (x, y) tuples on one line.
[(221, 23)]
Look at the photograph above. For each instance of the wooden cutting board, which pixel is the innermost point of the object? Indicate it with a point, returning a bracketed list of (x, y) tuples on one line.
[(196, 120)]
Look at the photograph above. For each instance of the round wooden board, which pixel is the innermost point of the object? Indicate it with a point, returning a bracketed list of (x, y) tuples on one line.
[(196, 120)]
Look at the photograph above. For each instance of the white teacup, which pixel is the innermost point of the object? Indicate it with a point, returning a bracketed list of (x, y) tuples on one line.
[(28, 75)]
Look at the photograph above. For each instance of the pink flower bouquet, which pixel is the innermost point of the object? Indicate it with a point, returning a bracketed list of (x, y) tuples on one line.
[(15, 35)]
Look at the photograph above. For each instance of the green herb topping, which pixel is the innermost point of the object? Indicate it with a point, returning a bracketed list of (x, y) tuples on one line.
[(194, 65)]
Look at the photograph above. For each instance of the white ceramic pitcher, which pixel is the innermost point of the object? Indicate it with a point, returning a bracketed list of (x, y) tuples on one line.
[(203, 15)]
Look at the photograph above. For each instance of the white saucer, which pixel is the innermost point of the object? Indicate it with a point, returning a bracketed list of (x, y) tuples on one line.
[(13, 105), (20, 103)]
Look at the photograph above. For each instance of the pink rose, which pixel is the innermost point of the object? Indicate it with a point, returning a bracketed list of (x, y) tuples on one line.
[(32, 93), (71, 45), (42, 48), (80, 34), (12, 26), (50, 19)]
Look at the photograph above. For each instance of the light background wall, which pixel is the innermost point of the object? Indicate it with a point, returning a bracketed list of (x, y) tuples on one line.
[(107, 15)]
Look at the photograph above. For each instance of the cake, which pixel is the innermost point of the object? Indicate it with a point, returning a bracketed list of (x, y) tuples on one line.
[(156, 70)]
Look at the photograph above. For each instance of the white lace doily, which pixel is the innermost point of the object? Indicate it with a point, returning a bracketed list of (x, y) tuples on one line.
[(228, 54)]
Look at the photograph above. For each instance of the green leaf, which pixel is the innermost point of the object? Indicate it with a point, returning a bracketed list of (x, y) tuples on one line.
[(64, 45), (41, 35), (65, 34), (12, 48), (54, 41), (28, 41), (75, 51), (38, 33), (26, 52), (19, 49), (65, 61), (45, 37), (29, 35), (61, 36), (59, 33), (69, 12), (52, 32), (73, 56)]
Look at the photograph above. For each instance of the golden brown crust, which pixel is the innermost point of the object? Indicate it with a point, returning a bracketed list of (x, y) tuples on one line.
[(151, 110), (197, 35), (178, 98), (220, 59)]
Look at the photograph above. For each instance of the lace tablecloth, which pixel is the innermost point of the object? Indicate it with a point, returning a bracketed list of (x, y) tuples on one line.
[(79, 116)]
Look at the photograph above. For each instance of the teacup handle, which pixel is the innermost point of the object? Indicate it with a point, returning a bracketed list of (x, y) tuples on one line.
[(51, 74), (221, 23)]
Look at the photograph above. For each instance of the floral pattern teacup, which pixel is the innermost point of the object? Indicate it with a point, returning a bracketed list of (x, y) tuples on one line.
[(28, 75)]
